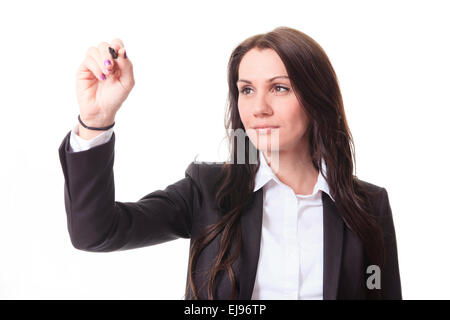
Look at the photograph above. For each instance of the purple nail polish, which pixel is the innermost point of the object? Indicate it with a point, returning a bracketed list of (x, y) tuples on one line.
[(103, 77), (124, 54), (107, 63)]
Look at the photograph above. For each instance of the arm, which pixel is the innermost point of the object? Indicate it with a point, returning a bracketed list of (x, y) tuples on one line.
[(96, 222)]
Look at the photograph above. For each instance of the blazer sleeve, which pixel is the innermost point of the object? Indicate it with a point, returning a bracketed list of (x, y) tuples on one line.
[(390, 274), (98, 223)]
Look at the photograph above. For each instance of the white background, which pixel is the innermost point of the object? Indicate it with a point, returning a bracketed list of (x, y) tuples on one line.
[(392, 61)]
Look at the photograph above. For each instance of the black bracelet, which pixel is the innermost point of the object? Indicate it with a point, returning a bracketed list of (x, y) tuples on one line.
[(92, 128)]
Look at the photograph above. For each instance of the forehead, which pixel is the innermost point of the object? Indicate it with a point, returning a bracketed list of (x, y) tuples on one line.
[(261, 64)]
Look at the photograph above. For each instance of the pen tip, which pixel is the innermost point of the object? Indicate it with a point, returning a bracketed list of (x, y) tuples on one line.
[(113, 53)]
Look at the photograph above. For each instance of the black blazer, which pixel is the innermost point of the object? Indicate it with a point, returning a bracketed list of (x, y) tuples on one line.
[(98, 223)]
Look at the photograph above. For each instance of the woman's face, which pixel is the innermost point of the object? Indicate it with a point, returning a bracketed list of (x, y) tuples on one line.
[(266, 102)]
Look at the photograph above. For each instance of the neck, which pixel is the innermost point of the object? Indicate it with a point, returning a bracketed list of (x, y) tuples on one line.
[(295, 169)]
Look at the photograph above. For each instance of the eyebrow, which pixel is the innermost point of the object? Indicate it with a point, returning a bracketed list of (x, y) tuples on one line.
[(268, 80)]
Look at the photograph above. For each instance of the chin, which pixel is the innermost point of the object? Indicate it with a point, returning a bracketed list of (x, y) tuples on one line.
[(266, 145)]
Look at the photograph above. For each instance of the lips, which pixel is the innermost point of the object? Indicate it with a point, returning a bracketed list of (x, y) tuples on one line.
[(264, 129), (264, 126)]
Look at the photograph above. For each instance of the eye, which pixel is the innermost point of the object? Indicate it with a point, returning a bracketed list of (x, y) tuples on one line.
[(244, 92), (287, 89)]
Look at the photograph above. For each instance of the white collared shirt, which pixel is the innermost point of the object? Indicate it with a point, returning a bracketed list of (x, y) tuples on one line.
[(290, 262), (290, 265)]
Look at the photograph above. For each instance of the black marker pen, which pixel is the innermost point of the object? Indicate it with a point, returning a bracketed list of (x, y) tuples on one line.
[(113, 53)]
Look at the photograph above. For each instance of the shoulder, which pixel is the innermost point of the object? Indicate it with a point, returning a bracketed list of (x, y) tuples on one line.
[(205, 177), (378, 195), (369, 187), (196, 169), (204, 173)]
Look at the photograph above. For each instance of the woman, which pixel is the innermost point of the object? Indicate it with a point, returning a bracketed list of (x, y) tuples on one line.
[(294, 224)]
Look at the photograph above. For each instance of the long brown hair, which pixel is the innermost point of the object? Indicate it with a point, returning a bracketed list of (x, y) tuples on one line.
[(316, 86)]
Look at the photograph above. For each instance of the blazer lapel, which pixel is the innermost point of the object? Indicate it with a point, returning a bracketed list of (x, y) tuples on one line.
[(333, 229), (251, 223)]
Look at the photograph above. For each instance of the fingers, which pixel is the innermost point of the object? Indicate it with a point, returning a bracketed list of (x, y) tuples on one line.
[(126, 69), (101, 63), (116, 44), (90, 66), (106, 60)]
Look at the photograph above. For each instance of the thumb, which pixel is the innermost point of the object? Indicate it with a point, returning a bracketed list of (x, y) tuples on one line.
[(126, 68)]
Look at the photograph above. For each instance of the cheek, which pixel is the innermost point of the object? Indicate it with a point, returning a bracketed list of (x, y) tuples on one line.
[(295, 119), (292, 113), (244, 115)]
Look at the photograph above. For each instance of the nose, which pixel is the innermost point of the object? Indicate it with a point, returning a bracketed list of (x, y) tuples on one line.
[(261, 107)]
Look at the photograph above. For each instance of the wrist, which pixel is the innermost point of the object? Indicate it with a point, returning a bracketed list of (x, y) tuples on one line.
[(98, 121), (87, 134), (93, 122)]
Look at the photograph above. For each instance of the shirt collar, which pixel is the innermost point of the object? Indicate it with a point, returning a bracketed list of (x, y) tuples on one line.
[(265, 174)]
